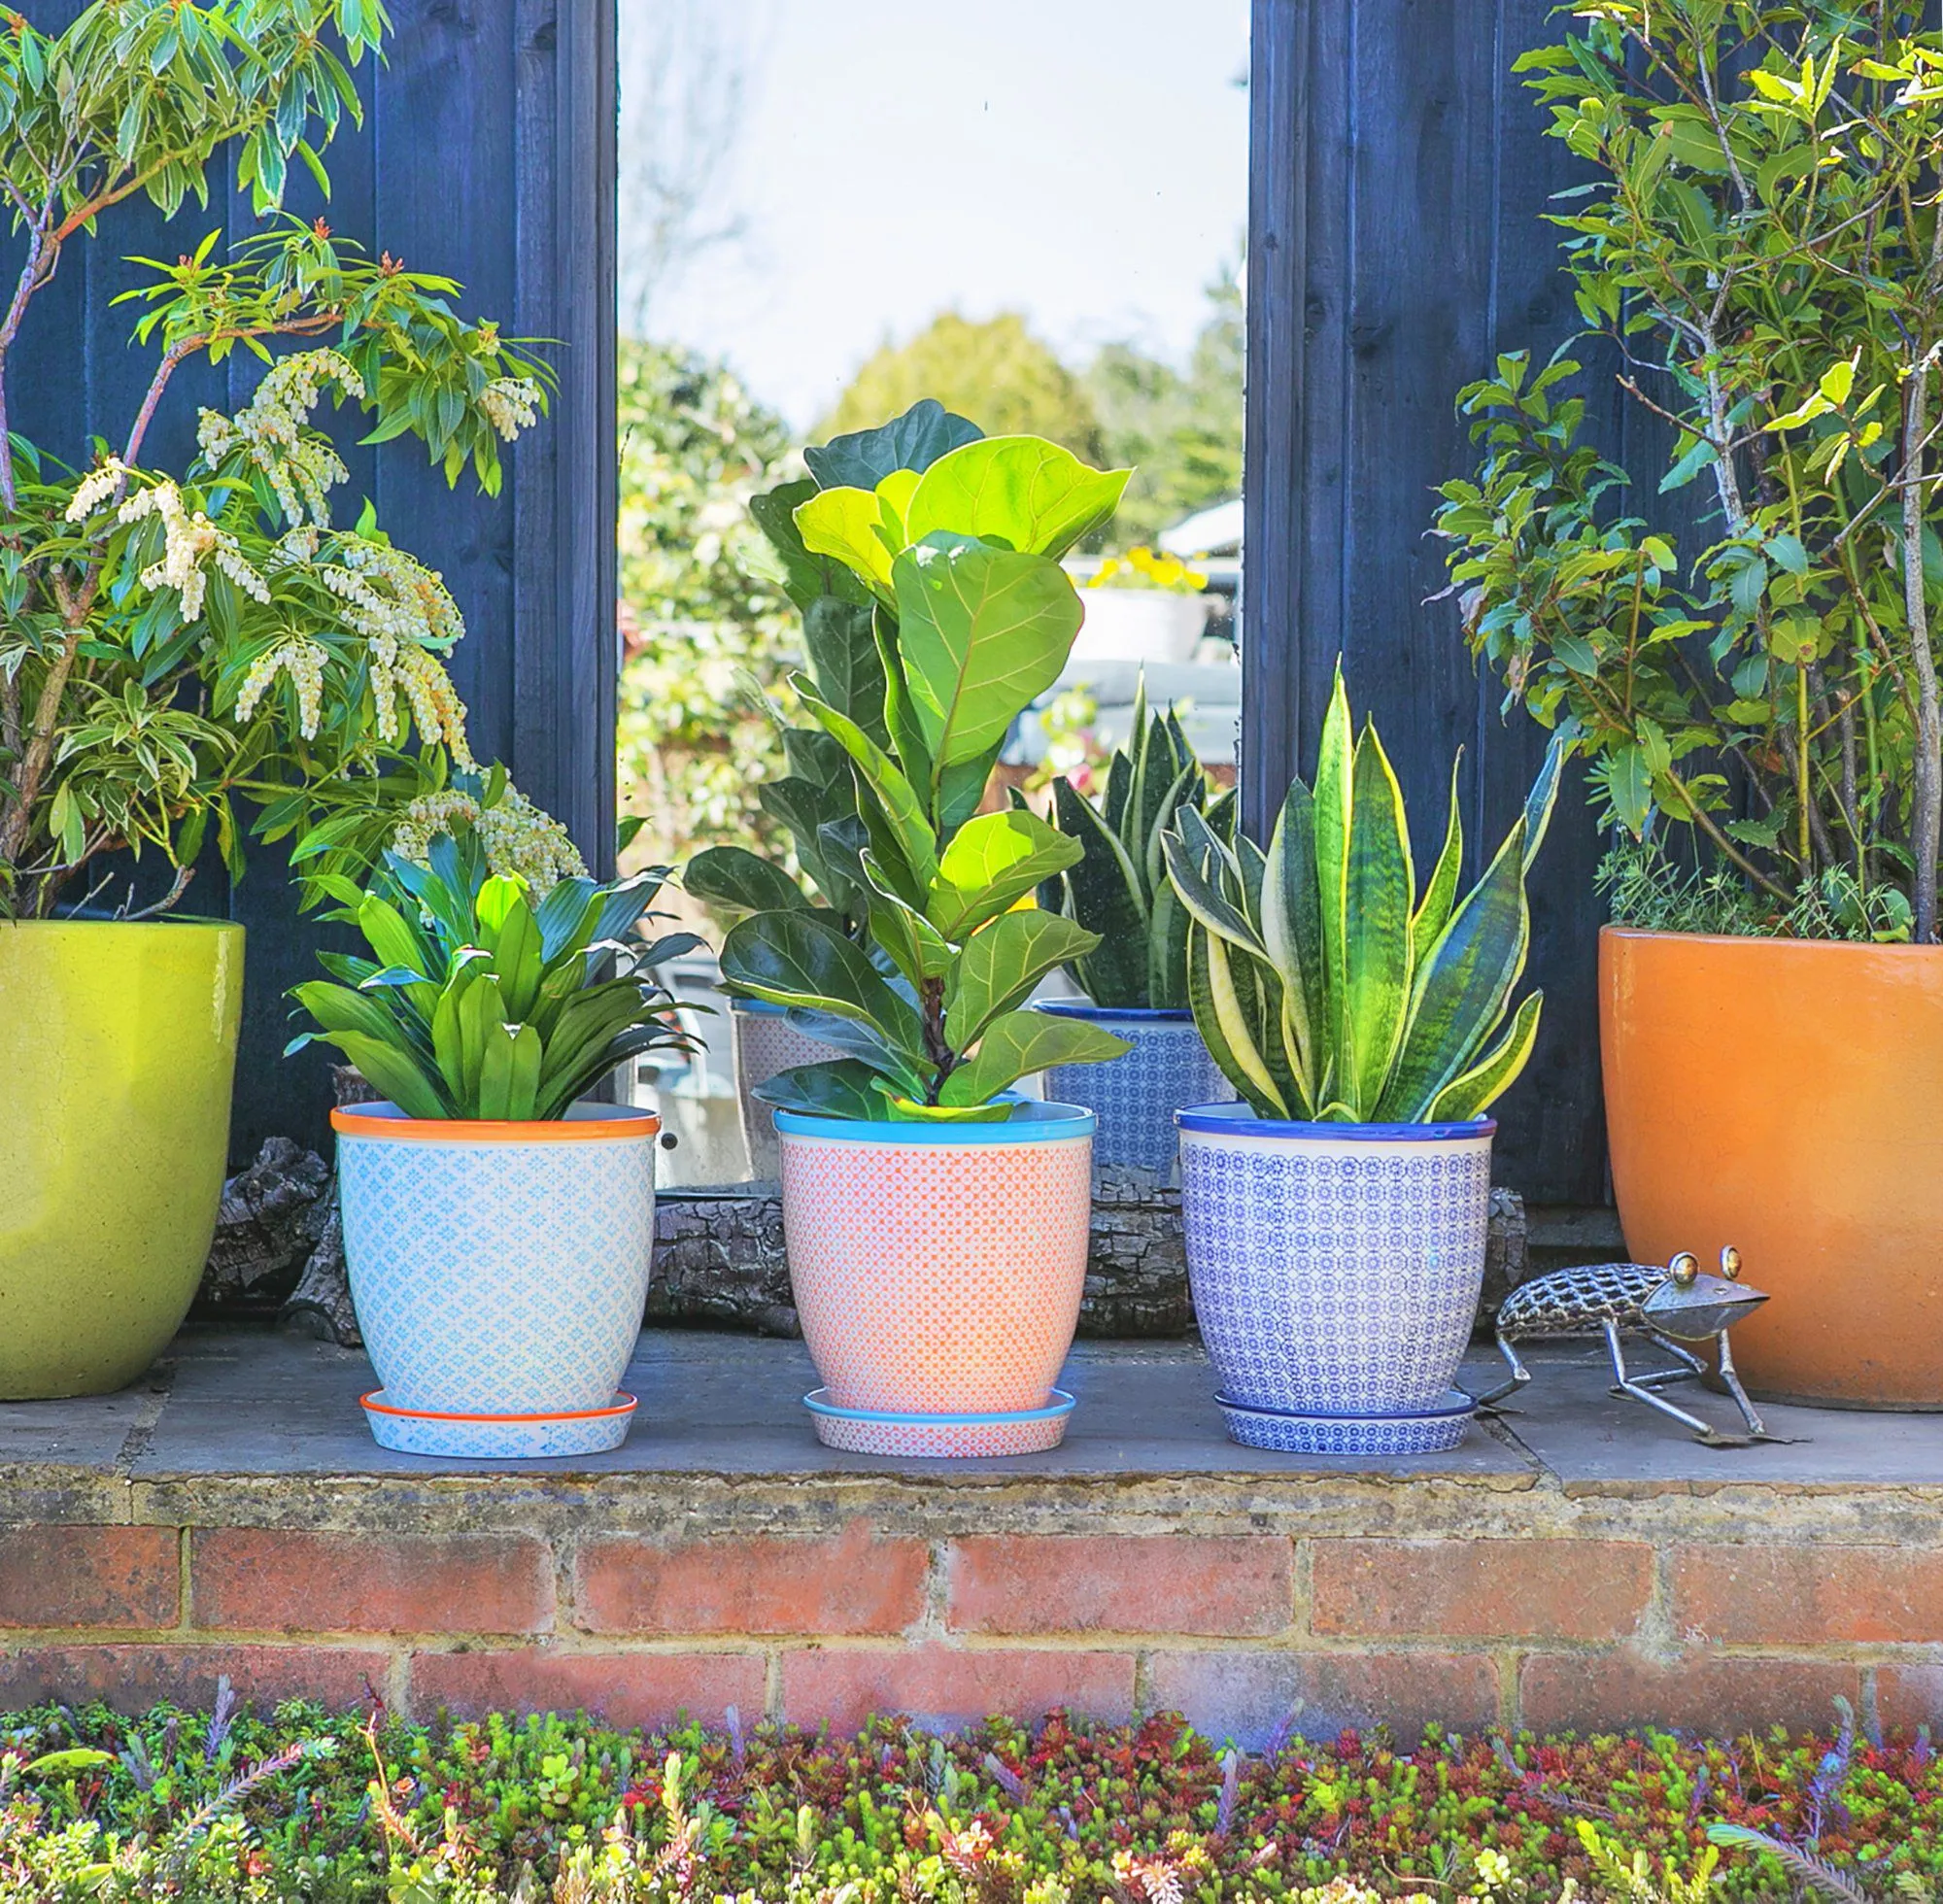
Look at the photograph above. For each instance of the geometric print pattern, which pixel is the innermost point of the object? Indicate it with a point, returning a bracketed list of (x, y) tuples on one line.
[(1333, 1277), (498, 1278), (936, 1278), (931, 1438), (1361, 1435), (528, 1437), (1137, 1095)]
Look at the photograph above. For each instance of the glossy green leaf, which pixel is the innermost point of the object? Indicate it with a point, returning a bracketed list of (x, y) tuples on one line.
[(1291, 918), (1002, 964), (1020, 1042), (735, 877), (1433, 911), (914, 441), (1334, 782), (852, 527), (844, 663), (1476, 1090), (807, 577), (1381, 890), (892, 808), (1020, 492), (992, 863), (800, 958), (843, 1088)]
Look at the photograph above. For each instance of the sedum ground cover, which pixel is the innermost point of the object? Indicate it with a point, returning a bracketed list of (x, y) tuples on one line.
[(300, 1805)]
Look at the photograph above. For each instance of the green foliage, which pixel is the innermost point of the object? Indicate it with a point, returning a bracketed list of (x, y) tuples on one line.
[(709, 629), (1760, 240), (309, 1808), (1119, 889), (996, 370), (1326, 987), (170, 645), (937, 611), (482, 1001), (1646, 889), (1182, 433)]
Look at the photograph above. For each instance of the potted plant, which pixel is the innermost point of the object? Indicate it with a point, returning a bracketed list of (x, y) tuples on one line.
[(1142, 607), (1762, 715), (498, 1231), (937, 1226), (1335, 1219), (176, 645), (1135, 979)]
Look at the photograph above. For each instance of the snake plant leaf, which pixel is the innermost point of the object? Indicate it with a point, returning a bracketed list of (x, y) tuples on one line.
[(841, 641), (1119, 782), (842, 1088), (1433, 913), (1166, 988), (801, 958), (1002, 964), (1291, 917), (1334, 812), (914, 441), (807, 577), (1019, 491), (1103, 886), (1225, 1025), (1460, 994), (1544, 794), (1472, 1092), (982, 632), (890, 804), (1382, 891), (1019, 1043), (1195, 863), (994, 861), (733, 877), (857, 529), (1185, 786)]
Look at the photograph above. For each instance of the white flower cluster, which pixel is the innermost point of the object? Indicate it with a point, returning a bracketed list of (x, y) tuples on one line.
[(272, 432), (519, 837), (188, 542), (511, 404), (95, 488), (302, 660)]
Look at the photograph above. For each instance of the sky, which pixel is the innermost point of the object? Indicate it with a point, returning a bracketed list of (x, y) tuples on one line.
[(1084, 161)]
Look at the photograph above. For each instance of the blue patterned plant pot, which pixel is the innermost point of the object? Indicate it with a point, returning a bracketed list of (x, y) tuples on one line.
[(1135, 1096), (765, 1043), (498, 1269), (1335, 1270)]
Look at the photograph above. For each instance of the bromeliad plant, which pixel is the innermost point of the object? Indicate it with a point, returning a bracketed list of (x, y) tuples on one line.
[(1326, 987), (970, 616), (1118, 889), (173, 642), (484, 998)]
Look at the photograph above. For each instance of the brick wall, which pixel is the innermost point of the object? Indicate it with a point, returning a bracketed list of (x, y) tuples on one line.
[(1338, 1603)]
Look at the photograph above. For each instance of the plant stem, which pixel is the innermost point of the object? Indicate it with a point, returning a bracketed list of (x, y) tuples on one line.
[(1926, 806)]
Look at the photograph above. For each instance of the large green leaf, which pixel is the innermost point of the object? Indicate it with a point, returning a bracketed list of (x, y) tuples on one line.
[(904, 1071), (914, 441), (395, 1073), (1382, 893), (806, 577), (992, 863), (1021, 491), (906, 937), (843, 1088), (1461, 990), (844, 662), (890, 804), (1474, 1091), (1102, 893), (855, 526), (1207, 882), (999, 969), (1234, 1033), (1334, 781), (982, 633), (1433, 913), (1022, 1042), (736, 877), (801, 958)]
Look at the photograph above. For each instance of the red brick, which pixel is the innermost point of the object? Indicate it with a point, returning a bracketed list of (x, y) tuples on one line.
[(268, 1580), (1240, 1586), (846, 1685), (1699, 1692), (1909, 1696), (852, 1584), (1562, 1590), (61, 1576), (1250, 1696), (131, 1678), (625, 1689), (1787, 1596)]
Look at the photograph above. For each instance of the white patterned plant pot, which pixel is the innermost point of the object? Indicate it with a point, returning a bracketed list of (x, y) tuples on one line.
[(765, 1043), (938, 1270), (500, 1272), (1135, 1096), (1335, 1270)]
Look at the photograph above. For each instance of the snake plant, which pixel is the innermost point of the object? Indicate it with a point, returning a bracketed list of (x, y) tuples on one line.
[(480, 1002), (1119, 888), (1328, 989)]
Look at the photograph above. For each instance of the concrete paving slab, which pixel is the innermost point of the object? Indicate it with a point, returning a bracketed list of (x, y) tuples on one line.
[(727, 1404), (89, 1434)]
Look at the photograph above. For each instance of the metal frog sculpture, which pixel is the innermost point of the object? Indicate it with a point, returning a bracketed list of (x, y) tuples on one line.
[(1670, 1306)]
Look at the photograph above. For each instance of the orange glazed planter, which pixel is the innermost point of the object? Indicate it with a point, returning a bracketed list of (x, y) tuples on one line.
[(1786, 1096)]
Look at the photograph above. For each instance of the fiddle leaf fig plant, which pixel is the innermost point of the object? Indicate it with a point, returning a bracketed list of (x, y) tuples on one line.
[(1118, 888), (1327, 987), (968, 630), (484, 997), (174, 642)]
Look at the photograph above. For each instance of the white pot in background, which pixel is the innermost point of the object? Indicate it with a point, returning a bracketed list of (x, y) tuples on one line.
[(1139, 625)]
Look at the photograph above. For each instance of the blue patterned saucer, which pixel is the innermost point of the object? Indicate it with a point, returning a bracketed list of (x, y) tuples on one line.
[(939, 1437), (1429, 1431), (498, 1436)]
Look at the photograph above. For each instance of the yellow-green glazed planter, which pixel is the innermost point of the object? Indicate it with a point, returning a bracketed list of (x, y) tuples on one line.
[(117, 1049)]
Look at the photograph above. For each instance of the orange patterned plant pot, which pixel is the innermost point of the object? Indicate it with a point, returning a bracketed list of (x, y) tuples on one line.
[(1786, 1096), (938, 1270)]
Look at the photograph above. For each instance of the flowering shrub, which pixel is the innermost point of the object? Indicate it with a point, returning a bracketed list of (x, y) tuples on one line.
[(1142, 568), (306, 1806), (173, 641)]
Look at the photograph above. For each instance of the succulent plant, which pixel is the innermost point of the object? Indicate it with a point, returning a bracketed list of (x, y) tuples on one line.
[(1326, 987)]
